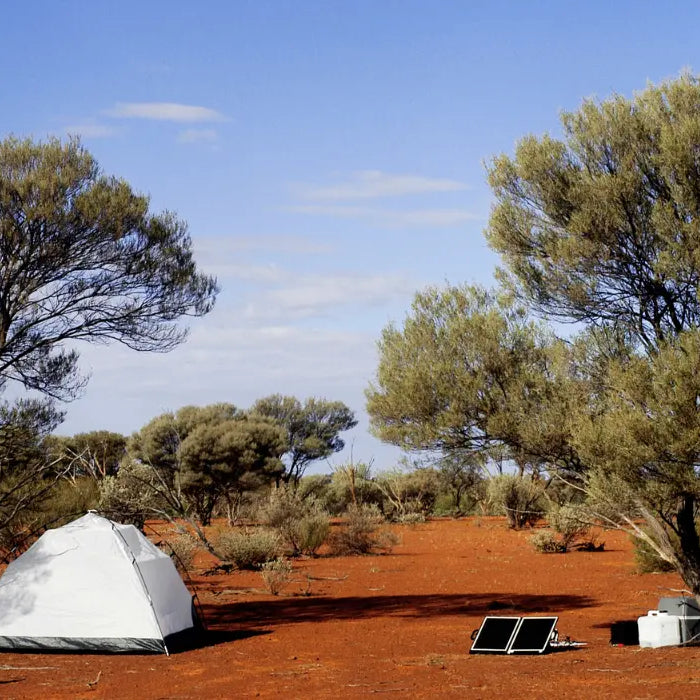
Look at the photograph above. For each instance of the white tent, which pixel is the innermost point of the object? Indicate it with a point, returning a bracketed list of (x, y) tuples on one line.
[(93, 585)]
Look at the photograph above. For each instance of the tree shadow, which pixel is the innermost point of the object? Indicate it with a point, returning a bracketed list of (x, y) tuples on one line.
[(254, 614)]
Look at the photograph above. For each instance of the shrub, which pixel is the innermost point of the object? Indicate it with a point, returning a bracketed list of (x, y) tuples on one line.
[(548, 543), (647, 559), (301, 523), (131, 495), (519, 498), (247, 549), (362, 533), (568, 528), (181, 549), (68, 499), (276, 574), (411, 518), (408, 492)]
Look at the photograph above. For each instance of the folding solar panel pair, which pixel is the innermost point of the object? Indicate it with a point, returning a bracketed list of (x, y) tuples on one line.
[(514, 635)]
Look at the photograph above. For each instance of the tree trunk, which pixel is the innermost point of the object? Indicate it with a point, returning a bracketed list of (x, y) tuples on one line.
[(689, 544)]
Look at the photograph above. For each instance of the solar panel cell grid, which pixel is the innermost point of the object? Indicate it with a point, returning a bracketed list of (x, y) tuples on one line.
[(533, 635), (495, 634)]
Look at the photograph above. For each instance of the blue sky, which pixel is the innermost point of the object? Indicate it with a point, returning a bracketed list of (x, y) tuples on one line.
[(328, 157)]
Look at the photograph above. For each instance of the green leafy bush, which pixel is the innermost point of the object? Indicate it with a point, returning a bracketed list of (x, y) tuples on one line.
[(519, 498), (247, 549), (647, 559), (547, 542), (301, 522)]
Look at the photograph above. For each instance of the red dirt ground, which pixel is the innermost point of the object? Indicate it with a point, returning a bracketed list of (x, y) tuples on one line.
[(397, 624)]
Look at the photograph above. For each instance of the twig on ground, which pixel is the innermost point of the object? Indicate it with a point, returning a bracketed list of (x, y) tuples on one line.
[(93, 684)]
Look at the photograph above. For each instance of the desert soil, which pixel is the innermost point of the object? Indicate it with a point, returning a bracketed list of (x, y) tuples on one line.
[(397, 625)]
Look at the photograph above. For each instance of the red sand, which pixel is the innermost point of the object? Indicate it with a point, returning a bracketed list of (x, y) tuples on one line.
[(399, 625)]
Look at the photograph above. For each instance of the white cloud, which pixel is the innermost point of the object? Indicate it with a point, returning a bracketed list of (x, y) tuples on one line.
[(165, 111), (371, 184), (91, 130), (218, 247), (198, 136), (315, 295), (391, 218)]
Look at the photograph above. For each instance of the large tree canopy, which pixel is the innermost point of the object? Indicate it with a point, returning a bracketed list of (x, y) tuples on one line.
[(603, 226), (207, 454), (81, 258), (312, 428), (466, 372), (600, 228)]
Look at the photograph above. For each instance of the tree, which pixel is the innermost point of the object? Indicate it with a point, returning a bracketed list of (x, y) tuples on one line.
[(463, 372), (601, 227), (312, 429), (199, 456), (461, 473), (27, 471), (96, 453), (598, 229), (81, 258)]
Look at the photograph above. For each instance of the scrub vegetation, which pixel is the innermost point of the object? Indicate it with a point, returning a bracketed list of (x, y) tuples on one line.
[(503, 412)]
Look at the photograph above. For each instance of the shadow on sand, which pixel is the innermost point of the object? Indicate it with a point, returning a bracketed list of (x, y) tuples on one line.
[(265, 614)]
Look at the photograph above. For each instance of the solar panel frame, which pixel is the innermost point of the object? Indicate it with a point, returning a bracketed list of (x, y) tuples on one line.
[(521, 630), (484, 632)]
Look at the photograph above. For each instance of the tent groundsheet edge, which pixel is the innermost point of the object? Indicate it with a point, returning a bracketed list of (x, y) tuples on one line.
[(84, 644)]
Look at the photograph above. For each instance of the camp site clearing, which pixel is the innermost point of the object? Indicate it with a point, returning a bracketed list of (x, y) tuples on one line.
[(396, 625)]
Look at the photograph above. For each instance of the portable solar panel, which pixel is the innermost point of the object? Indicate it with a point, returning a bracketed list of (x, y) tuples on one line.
[(495, 635), (533, 635)]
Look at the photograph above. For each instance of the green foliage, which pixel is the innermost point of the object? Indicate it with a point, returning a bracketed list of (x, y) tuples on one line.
[(96, 454), (352, 483), (205, 457), (247, 549), (569, 528), (548, 543), (311, 428), (301, 522), (362, 533), (519, 498), (133, 494), (469, 372), (647, 559), (600, 227), (276, 574), (408, 493), (83, 259)]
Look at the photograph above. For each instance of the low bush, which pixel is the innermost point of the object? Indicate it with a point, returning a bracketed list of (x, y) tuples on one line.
[(519, 498), (547, 542), (362, 533), (411, 518), (647, 559), (182, 549), (569, 529), (247, 549), (276, 574), (300, 522)]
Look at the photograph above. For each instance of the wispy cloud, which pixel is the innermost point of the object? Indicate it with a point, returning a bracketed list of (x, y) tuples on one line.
[(391, 218), (216, 248), (372, 184), (165, 111), (317, 295), (198, 136), (91, 130)]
